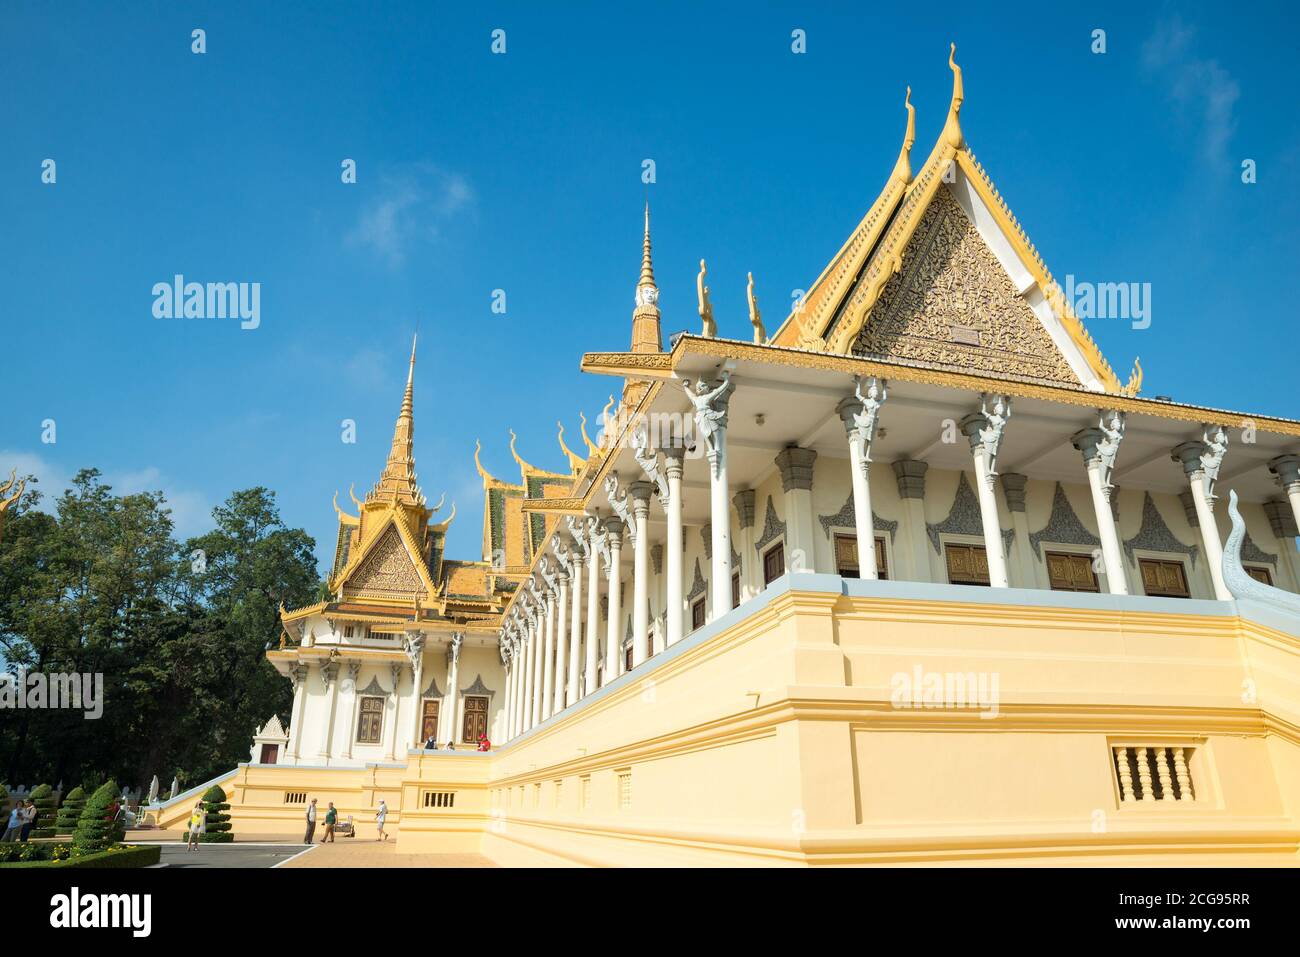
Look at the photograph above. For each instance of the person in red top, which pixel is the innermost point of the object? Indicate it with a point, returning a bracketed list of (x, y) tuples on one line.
[(483, 743)]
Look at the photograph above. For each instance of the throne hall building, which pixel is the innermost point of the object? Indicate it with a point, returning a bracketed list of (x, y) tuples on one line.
[(914, 578)]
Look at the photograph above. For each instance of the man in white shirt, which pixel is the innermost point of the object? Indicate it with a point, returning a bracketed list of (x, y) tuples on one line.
[(311, 821)]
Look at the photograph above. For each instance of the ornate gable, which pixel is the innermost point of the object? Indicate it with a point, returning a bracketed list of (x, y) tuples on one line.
[(951, 303), (387, 571)]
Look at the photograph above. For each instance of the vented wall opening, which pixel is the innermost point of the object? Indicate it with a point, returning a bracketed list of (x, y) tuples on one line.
[(1154, 773)]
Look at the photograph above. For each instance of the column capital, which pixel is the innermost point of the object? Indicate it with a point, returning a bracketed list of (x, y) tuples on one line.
[(1281, 518), (640, 492), (614, 527), (796, 467), (911, 477), (618, 502), (1287, 470), (744, 501), (1013, 487)]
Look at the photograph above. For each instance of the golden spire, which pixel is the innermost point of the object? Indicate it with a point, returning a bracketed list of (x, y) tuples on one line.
[(647, 267), (398, 482), (952, 134), (903, 168)]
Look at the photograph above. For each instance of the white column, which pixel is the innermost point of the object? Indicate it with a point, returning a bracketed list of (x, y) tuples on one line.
[(354, 672), (984, 429), (1099, 449), (298, 675), (561, 641), (390, 731), (509, 703), (613, 640), (329, 673), (640, 492), (1022, 556), (1201, 461), (673, 611), (710, 402), (519, 665), (548, 659), (796, 467), (744, 502), (575, 634), (860, 414), (415, 651), (530, 672), (910, 474), (452, 701), (1287, 470), (538, 641), (593, 613)]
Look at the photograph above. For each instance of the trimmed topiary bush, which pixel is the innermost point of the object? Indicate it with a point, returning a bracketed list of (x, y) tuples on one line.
[(217, 822), (73, 804), (46, 806), (4, 803), (98, 828)]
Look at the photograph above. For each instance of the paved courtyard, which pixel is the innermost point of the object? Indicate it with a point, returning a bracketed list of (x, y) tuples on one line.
[(284, 850)]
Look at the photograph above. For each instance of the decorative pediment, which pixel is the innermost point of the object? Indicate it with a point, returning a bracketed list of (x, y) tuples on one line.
[(374, 689), (478, 688), (773, 527), (1250, 552), (1155, 536), (272, 729), (1062, 526), (706, 536), (951, 303), (846, 517), (388, 569), (698, 585), (432, 691), (964, 519)]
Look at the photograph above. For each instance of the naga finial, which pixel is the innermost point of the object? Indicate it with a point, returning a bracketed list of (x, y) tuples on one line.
[(903, 168), (755, 317), (1134, 385), (592, 447), (952, 134), (352, 495), (576, 461), (706, 308), (607, 419)]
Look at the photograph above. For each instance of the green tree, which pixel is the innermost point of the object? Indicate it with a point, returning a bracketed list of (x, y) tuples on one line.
[(99, 826)]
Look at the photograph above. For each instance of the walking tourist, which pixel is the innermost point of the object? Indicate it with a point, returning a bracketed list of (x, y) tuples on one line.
[(311, 821), (380, 818), (331, 818), (198, 824)]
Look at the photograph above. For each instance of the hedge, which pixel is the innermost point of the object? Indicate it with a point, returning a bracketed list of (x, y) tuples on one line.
[(73, 805), (50, 855), (46, 806), (217, 822), (98, 828)]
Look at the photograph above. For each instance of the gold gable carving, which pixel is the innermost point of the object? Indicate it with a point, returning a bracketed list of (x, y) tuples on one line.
[(387, 571), (953, 304)]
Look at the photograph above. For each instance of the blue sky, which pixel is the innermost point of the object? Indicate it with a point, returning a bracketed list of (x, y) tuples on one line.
[(522, 172)]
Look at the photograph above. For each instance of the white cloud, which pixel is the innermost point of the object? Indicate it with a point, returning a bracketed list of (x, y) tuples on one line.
[(414, 204), (1195, 83)]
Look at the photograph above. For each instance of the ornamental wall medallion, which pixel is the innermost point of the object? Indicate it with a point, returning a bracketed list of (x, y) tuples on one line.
[(387, 571), (1154, 535), (963, 518), (953, 304), (1063, 526), (846, 517), (773, 527)]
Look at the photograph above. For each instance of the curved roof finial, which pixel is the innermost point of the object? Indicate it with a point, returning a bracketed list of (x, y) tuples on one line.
[(576, 461), (1134, 385), (352, 495), (482, 472), (520, 462), (952, 134), (591, 446), (903, 168), (607, 421)]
